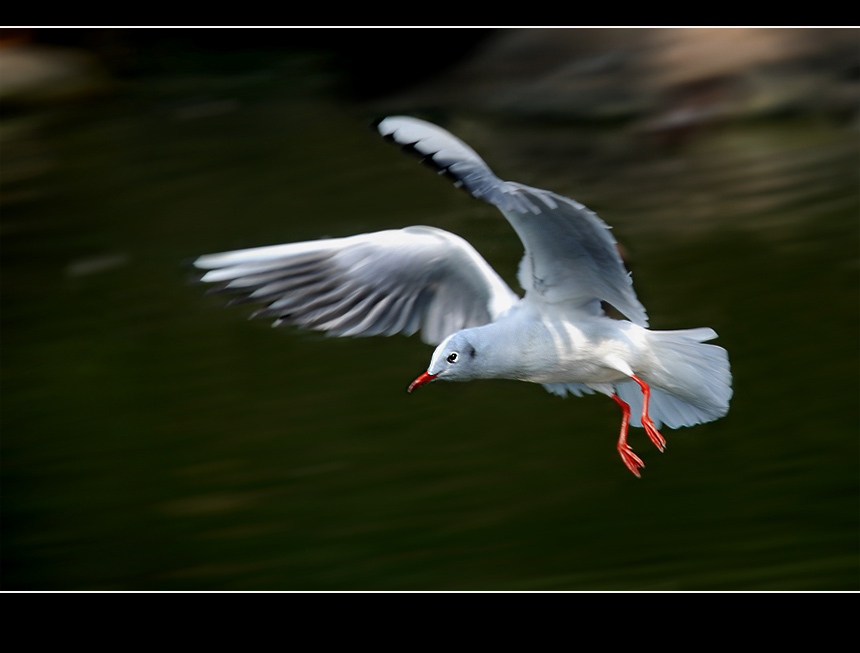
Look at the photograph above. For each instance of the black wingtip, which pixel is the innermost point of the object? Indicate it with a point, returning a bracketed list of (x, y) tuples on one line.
[(424, 158)]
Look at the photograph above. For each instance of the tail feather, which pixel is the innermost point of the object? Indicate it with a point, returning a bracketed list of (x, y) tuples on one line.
[(690, 381)]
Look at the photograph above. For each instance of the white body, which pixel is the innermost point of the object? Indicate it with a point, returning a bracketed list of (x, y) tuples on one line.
[(541, 344)]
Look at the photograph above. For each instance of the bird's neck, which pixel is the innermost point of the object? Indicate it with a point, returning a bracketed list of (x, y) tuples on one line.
[(512, 349)]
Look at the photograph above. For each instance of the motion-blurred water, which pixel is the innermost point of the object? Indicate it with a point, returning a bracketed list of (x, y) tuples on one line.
[(154, 439)]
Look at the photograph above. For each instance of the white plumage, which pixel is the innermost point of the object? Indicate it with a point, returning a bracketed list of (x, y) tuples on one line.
[(429, 280)]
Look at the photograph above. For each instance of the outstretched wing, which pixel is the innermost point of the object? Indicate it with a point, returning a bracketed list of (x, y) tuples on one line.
[(570, 256), (396, 281)]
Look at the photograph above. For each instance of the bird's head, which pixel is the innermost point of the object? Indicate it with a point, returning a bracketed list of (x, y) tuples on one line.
[(456, 359)]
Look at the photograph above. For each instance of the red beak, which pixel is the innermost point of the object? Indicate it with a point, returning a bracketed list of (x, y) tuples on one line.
[(421, 380)]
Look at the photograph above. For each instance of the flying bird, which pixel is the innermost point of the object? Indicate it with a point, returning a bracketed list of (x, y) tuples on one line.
[(425, 279)]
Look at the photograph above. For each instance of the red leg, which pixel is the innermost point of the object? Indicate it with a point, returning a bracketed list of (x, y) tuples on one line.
[(647, 423), (630, 459)]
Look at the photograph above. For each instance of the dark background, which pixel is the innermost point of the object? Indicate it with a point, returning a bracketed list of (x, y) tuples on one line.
[(153, 439)]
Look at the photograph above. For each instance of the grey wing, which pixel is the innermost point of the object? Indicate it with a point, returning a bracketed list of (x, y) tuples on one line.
[(570, 256), (396, 281)]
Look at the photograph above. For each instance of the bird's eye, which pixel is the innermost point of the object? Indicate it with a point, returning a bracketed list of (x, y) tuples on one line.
[(453, 356)]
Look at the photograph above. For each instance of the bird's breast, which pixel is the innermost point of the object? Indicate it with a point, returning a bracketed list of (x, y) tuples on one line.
[(564, 351)]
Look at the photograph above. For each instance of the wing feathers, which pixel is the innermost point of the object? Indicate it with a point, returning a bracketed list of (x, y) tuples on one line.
[(570, 256), (400, 281), (388, 282)]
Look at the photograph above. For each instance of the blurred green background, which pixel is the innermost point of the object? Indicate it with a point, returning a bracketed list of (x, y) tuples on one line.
[(153, 439)]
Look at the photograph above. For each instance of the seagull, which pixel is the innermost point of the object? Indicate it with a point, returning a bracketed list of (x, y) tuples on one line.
[(422, 278)]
